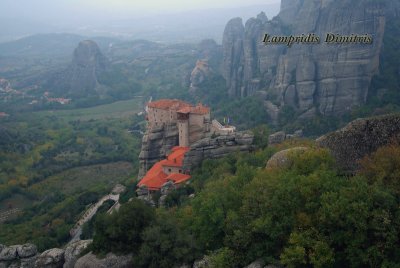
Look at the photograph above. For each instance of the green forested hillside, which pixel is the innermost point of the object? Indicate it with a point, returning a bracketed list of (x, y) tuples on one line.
[(303, 215), (55, 163)]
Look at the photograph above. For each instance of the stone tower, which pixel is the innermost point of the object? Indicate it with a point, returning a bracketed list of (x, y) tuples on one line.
[(183, 128)]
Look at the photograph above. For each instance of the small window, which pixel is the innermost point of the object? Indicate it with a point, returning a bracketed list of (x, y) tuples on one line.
[(180, 171), (169, 170)]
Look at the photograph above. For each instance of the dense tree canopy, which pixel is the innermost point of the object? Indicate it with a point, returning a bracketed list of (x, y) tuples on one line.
[(304, 215)]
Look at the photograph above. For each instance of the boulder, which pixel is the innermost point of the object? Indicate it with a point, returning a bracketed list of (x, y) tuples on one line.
[(256, 264), (73, 251), (52, 258), (282, 159), (21, 256), (359, 139), (110, 261), (8, 253), (28, 262), (203, 263), (26, 250)]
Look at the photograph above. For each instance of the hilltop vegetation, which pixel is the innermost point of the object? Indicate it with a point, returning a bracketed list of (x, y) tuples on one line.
[(55, 163), (303, 215)]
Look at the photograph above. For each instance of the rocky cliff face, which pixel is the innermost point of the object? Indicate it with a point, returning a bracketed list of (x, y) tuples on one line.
[(81, 78), (322, 78), (212, 148), (200, 73), (156, 144), (27, 256), (87, 64), (359, 139)]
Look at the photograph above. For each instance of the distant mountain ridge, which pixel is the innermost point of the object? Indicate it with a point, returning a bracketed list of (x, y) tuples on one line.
[(50, 45), (185, 26)]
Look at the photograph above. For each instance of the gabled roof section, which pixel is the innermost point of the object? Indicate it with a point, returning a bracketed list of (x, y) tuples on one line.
[(168, 104), (156, 177), (200, 109), (179, 106), (178, 178)]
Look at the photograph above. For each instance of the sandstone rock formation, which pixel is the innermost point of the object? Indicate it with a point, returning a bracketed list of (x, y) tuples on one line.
[(327, 79), (18, 256), (51, 258), (156, 143), (282, 159), (82, 75), (27, 256), (110, 261), (360, 138), (232, 44), (220, 146), (209, 49), (73, 251), (281, 136), (199, 74)]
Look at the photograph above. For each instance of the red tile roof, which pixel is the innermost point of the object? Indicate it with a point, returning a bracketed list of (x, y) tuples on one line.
[(185, 110), (200, 109), (156, 177), (178, 178), (166, 104), (179, 106)]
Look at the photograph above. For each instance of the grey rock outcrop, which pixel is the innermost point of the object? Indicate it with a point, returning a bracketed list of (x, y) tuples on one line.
[(52, 258), (360, 138), (156, 143), (328, 79), (282, 159), (23, 256), (27, 256), (256, 264), (281, 136), (110, 261), (200, 73), (81, 78), (73, 251), (26, 250), (220, 146), (8, 253), (232, 44), (276, 138), (203, 263), (87, 64)]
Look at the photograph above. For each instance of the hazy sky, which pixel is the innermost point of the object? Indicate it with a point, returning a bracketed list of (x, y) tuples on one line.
[(67, 9)]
